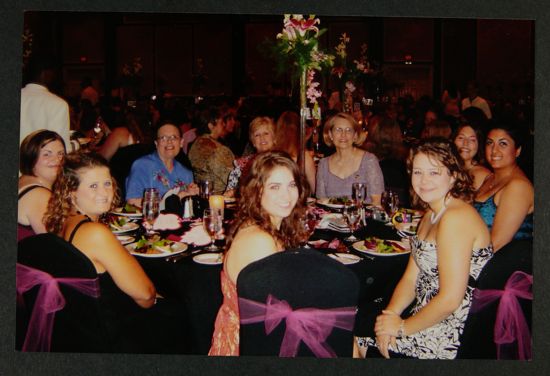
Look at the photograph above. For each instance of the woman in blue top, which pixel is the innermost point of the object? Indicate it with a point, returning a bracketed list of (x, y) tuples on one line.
[(506, 198)]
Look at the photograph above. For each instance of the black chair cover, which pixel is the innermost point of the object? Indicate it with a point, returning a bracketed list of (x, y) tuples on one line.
[(477, 339), (121, 162), (304, 278)]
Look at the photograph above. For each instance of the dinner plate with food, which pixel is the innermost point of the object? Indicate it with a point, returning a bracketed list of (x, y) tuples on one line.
[(334, 202), (128, 210), (156, 246), (121, 225), (381, 247)]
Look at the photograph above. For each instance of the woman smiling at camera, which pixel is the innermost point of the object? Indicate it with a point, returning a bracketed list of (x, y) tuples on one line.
[(40, 157), (467, 139), (349, 164), (82, 192), (266, 222), (506, 200), (450, 249)]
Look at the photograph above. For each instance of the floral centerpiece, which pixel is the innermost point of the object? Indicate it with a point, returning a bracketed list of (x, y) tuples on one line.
[(297, 49), (350, 75)]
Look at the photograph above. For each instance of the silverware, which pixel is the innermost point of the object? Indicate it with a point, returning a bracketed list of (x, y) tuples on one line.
[(182, 255)]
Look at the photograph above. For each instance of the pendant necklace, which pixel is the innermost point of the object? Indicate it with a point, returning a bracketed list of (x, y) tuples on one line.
[(435, 218)]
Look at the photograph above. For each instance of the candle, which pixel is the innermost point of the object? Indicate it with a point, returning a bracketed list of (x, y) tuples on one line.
[(216, 202)]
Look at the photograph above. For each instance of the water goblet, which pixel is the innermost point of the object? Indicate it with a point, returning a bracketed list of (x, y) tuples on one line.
[(150, 208), (352, 215), (390, 202), (212, 221)]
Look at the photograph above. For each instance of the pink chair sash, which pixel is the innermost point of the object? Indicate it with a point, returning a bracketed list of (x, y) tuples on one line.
[(310, 325), (510, 323), (48, 301)]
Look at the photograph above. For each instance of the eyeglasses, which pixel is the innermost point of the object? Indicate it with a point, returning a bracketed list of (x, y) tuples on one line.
[(339, 130), (165, 139)]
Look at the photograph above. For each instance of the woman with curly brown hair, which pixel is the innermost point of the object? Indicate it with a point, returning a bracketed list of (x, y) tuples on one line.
[(268, 221), (450, 249), (82, 192)]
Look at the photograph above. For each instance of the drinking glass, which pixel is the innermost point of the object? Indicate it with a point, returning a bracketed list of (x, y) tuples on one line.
[(352, 215), (390, 202), (212, 221), (311, 221), (206, 188), (359, 193), (150, 208)]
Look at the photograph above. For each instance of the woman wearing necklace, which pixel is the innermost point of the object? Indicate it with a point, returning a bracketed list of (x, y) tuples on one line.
[(506, 198), (450, 249), (210, 159), (467, 139), (40, 156)]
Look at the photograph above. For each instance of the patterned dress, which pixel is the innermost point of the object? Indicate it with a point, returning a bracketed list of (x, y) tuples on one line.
[(440, 341), (225, 340)]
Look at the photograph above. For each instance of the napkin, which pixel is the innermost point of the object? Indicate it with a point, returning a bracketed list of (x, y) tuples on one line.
[(197, 236), (167, 222), (333, 221), (173, 191)]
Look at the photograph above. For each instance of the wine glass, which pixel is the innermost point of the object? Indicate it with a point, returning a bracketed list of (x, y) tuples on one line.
[(390, 202), (352, 215), (212, 221), (310, 222), (150, 208), (359, 195)]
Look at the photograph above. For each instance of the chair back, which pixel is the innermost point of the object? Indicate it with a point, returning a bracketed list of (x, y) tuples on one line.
[(121, 162), (77, 326), (303, 278), (478, 339)]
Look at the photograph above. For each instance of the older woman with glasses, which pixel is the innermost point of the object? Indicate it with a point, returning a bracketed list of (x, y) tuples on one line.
[(349, 164), (160, 169)]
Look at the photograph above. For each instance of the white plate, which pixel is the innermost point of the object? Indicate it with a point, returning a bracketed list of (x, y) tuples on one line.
[(405, 227), (209, 258), (229, 200), (325, 202), (128, 227), (118, 211), (345, 258), (311, 200), (174, 249), (125, 239), (360, 246)]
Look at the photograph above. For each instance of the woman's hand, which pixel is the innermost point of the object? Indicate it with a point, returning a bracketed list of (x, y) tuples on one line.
[(192, 190), (387, 323), (384, 341)]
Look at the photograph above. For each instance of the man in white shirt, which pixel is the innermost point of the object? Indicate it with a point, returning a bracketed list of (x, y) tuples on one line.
[(473, 100), (41, 109)]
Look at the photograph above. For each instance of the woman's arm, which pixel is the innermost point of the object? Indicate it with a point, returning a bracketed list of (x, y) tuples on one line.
[(104, 249), (515, 201), (117, 139), (310, 171), (455, 238), (35, 206)]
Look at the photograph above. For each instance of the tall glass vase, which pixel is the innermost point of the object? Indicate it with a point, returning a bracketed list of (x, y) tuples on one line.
[(303, 117)]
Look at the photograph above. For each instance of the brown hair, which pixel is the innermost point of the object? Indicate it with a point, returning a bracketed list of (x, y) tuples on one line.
[(388, 140), (287, 133), (329, 124), (67, 182), (291, 232), (29, 151), (437, 128), (444, 151)]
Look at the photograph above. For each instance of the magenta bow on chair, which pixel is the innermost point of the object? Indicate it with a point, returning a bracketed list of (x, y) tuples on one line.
[(48, 301), (510, 323), (310, 325)]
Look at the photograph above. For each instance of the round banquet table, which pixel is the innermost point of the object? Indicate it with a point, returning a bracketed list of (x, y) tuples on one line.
[(198, 286)]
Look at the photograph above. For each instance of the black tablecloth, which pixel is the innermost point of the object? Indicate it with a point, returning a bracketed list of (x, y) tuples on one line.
[(198, 286)]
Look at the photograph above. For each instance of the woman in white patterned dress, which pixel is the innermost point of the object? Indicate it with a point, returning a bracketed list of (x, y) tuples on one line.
[(448, 253)]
